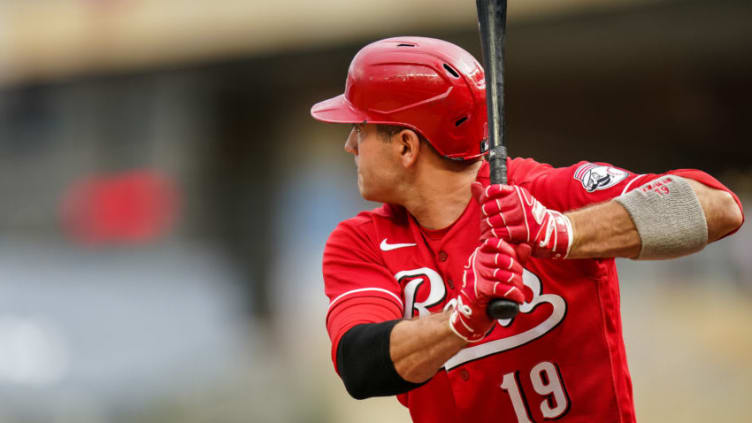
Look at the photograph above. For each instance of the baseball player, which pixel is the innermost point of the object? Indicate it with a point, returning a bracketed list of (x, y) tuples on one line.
[(409, 282)]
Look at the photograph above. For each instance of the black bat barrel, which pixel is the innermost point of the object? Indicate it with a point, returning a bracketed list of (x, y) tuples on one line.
[(492, 22)]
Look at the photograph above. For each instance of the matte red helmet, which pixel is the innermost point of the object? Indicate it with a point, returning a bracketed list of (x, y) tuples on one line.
[(430, 86)]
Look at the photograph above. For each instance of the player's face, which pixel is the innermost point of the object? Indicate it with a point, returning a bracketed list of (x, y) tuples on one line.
[(378, 169)]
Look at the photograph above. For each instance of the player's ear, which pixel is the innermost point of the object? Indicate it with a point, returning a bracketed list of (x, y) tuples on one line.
[(408, 143)]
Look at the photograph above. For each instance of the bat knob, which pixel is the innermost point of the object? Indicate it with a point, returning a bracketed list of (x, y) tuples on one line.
[(502, 309)]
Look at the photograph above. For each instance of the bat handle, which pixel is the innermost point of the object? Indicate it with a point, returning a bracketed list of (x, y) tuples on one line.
[(497, 160), (502, 309), (497, 157)]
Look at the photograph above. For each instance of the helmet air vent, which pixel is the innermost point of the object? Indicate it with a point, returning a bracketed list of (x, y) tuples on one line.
[(405, 45), (450, 70), (460, 121)]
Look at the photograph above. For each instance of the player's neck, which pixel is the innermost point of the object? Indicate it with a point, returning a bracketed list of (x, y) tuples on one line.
[(440, 196)]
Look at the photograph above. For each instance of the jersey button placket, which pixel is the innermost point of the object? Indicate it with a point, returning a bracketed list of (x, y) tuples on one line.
[(443, 256)]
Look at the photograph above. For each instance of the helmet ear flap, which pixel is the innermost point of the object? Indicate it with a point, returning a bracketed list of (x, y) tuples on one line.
[(431, 86)]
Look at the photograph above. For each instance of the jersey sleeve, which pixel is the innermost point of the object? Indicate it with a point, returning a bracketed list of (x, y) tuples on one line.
[(572, 187), (709, 181), (585, 183), (357, 282)]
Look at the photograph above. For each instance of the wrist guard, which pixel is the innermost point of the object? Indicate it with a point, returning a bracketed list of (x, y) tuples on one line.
[(668, 217)]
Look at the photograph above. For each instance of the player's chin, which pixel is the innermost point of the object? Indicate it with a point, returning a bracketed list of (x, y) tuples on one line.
[(366, 194), (361, 187), (370, 194)]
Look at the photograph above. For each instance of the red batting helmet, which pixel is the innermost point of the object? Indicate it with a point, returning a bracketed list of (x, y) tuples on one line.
[(430, 86)]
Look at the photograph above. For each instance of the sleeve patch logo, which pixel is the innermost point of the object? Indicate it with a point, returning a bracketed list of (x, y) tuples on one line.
[(595, 177)]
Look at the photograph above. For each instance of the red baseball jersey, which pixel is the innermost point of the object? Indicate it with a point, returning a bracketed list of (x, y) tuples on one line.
[(562, 357)]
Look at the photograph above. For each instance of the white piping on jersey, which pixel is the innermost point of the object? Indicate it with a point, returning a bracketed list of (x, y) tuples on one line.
[(362, 290), (626, 188)]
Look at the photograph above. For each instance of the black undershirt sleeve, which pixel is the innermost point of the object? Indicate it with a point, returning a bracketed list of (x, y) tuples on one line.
[(365, 365)]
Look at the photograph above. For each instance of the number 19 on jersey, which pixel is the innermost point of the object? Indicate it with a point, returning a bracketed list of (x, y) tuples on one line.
[(552, 398)]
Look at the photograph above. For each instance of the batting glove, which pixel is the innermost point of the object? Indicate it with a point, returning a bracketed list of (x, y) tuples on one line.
[(511, 213), (492, 271)]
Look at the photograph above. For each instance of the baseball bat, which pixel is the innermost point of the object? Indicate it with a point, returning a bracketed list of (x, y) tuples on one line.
[(492, 22)]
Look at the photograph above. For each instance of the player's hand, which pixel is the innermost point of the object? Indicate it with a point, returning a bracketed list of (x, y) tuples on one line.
[(493, 271), (511, 213)]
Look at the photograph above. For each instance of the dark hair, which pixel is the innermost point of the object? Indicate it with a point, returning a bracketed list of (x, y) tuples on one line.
[(388, 131)]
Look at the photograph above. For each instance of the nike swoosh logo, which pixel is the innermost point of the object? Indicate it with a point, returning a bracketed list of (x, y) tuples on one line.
[(385, 246)]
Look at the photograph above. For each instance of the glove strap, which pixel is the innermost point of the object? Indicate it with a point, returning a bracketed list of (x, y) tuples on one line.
[(556, 235), (459, 326)]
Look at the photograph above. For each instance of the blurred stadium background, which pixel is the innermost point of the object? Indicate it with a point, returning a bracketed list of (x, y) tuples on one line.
[(166, 197)]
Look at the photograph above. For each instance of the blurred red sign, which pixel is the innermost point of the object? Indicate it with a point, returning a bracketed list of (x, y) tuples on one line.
[(133, 207)]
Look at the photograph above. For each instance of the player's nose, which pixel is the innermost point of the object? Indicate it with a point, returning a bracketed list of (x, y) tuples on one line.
[(351, 144)]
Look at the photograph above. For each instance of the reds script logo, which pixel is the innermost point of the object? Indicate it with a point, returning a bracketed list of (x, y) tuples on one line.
[(596, 177), (437, 293)]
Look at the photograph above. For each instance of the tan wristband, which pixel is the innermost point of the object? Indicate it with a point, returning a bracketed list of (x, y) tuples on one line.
[(668, 217)]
